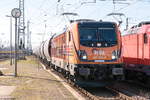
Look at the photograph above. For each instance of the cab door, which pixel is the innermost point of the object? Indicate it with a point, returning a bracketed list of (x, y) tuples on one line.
[(146, 48), (68, 39)]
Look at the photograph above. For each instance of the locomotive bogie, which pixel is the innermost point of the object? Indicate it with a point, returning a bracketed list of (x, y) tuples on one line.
[(98, 72)]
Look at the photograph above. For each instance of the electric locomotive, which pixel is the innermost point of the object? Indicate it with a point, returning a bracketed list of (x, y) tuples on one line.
[(136, 52), (87, 51)]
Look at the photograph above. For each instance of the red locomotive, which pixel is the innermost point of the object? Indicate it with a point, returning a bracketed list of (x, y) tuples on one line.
[(87, 50), (136, 52)]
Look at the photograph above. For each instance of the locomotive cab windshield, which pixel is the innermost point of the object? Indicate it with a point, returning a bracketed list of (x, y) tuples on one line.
[(98, 34)]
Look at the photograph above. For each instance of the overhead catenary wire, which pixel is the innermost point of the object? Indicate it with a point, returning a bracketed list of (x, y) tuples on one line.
[(41, 10), (118, 10), (73, 7)]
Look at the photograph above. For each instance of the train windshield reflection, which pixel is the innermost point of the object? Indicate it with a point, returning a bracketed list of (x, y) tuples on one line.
[(92, 36)]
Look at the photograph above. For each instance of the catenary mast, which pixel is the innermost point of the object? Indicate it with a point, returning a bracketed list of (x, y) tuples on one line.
[(21, 29)]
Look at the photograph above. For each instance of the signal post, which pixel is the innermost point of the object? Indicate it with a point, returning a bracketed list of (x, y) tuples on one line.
[(16, 13)]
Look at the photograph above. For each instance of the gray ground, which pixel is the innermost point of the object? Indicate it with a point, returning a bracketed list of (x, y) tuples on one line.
[(32, 83)]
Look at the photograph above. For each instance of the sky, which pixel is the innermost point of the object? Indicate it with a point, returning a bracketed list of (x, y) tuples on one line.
[(46, 17)]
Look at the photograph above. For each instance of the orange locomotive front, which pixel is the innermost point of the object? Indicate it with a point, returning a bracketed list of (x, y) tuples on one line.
[(88, 50)]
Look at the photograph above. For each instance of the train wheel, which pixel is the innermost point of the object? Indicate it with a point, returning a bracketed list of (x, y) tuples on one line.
[(63, 72), (127, 75), (1, 73), (148, 81), (141, 77), (67, 75)]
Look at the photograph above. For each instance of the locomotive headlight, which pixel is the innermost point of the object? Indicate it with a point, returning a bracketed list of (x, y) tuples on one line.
[(115, 54), (84, 57), (82, 54)]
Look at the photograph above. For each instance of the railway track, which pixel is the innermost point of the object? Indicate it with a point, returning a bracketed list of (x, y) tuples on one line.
[(134, 91), (141, 89), (117, 92), (143, 85)]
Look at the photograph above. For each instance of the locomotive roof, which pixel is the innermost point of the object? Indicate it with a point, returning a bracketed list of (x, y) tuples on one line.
[(140, 24), (143, 23), (90, 21), (82, 20), (96, 24), (137, 28)]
